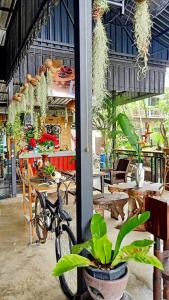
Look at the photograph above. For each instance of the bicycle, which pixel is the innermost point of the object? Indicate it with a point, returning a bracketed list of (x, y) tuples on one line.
[(52, 217)]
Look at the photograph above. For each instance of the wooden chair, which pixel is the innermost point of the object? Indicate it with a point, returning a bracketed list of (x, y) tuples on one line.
[(119, 174), (158, 225)]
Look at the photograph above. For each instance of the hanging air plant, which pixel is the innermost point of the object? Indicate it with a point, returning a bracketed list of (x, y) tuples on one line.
[(100, 52), (142, 31), (43, 94), (36, 126), (31, 98), (49, 78)]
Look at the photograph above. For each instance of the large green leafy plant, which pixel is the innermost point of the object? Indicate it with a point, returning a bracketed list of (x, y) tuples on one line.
[(49, 169), (100, 250), (129, 131)]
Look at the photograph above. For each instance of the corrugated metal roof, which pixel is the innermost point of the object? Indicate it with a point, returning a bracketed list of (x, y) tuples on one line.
[(119, 27), (6, 10)]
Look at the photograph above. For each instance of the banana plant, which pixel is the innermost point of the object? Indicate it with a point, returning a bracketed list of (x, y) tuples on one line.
[(100, 248), (129, 131)]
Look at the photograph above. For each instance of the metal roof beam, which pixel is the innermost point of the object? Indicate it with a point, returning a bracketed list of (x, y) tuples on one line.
[(6, 9), (68, 11)]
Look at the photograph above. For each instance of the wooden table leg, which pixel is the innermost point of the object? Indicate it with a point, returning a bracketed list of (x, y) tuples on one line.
[(157, 272)]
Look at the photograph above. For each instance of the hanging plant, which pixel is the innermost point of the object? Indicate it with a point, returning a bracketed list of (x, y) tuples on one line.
[(17, 129), (49, 78), (100, 52), (43, 94), (36, 126), (9, 129), (143, 35), (31, 98)]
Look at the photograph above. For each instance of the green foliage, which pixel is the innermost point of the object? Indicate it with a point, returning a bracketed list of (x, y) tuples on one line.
[(127, 227), (129, 131), (98, 226), (137, 251), (69, 262), (104, 120), (100, 247), (17, 128), (9, 129), (49, 169)]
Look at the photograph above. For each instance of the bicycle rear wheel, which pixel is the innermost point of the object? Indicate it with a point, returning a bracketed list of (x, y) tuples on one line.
[(40, 224), (63, 243)]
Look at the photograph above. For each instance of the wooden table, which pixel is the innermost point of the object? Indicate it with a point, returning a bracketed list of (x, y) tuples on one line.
[(136, 196), (95, 174), (112, 202)]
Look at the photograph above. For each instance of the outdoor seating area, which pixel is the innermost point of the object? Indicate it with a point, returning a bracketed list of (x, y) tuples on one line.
[(84, 149)]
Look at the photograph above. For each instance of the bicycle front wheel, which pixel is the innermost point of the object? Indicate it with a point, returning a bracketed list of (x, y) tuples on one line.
[(63, 243)]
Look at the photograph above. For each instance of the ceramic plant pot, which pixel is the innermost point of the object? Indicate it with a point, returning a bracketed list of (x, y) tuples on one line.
[(111, 288), (140, 174)]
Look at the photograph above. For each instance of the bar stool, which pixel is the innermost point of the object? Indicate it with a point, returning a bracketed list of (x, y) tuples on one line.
[(158, 226)]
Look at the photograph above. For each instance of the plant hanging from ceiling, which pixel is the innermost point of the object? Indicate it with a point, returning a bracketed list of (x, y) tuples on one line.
[(43, 95), (100, 52), (142, 30), (31, 98)]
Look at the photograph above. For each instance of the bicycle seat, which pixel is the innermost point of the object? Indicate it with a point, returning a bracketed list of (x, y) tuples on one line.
[(65, 215)]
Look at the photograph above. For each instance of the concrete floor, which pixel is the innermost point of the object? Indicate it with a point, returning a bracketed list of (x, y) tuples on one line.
[(25, 272)]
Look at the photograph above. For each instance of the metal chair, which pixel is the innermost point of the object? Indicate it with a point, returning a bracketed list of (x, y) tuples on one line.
[(119, 174)]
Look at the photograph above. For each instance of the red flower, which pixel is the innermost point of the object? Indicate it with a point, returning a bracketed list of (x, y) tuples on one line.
[(32, 142), (46, 137)]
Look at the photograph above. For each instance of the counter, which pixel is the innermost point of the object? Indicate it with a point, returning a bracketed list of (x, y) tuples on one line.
[(62, 160)]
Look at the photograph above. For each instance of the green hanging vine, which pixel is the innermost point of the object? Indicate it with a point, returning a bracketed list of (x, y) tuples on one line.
[(42, 94), (31, 98), (100, 52), (142, 30), (36, 126)]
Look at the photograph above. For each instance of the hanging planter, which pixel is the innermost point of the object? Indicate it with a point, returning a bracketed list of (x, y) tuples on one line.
[(42, 90), (100, 52), (71, 105), (31, 99), (142, 31)]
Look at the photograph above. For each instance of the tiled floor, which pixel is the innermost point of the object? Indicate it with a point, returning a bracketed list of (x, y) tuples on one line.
[(25, 272)]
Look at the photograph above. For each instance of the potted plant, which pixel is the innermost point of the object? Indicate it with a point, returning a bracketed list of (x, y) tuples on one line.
[(105, 270), (49, 170), (129, 131)]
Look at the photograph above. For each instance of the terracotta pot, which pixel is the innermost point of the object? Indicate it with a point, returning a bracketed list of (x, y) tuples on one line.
[(71, 105), (106, 289)]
